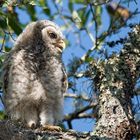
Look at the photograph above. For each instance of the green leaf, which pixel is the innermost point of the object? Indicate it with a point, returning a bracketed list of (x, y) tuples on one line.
[(78, 1), (47, 11), (2, 115), (87, 14), (70, 6), (45, 7), (7, 49), (88, 59), (32, 12), (13, 23), (84, 15), (98, 12), (3, 23), (1, 59), (42, 3)]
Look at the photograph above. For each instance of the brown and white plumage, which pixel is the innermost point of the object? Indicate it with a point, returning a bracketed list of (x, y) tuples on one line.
[(34, 79)]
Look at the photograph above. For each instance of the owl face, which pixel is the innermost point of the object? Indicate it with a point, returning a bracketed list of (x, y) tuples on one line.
[(52, 35)]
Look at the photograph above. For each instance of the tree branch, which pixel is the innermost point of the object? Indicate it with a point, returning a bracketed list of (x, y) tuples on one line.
[(10, 131), (75, 96), (77, 113), (3, 42)]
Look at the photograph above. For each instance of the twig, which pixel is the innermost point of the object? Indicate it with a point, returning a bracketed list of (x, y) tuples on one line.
[(96, 24), (72, 95), (84, 116), (91, 49), (69, 124), (3, 42), (9, 34), (135, 2), (63, 17), (1, 100), (76, 114), (80, 116), (110, 30), (100, 3)]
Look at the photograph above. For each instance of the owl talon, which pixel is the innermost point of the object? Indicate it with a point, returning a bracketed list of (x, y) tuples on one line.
[(51, 128)]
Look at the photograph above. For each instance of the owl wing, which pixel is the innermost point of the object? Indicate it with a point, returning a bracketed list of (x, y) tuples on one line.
[(64, 81), (5, 71)]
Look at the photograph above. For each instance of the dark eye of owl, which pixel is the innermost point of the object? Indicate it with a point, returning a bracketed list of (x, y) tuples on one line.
[(53, 35)]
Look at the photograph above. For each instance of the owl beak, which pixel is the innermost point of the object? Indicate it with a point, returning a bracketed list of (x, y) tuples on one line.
[(61, 45)]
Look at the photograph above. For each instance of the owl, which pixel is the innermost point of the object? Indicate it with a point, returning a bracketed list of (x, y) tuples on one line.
[(34, 78)]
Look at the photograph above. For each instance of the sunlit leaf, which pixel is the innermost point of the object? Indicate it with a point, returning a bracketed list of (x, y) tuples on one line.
[(58, 1), (81, 13), (32, 3), (76, 19), (75, 16), (98, 12), (42, 3)]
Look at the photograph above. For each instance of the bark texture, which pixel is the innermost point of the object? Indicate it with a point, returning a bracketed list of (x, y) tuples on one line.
[(115, 119), (11, 131), (115, 81)]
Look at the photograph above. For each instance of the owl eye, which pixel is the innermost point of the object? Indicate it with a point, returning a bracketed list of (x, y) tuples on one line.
[(53, 35)]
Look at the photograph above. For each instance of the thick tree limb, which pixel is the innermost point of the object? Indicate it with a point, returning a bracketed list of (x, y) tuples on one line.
[(117, 83), (115, 119), (10, 131)]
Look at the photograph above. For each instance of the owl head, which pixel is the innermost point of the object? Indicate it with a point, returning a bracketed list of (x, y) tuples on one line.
[(43, 31), (52, 34)]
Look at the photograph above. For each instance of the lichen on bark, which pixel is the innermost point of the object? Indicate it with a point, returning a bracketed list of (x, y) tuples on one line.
[(116, 84)]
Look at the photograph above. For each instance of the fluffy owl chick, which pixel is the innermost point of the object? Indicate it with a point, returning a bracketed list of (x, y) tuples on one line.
[(34, 79)]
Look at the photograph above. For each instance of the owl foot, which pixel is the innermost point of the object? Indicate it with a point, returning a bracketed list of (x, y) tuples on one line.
[(31, 125), (50, 128)]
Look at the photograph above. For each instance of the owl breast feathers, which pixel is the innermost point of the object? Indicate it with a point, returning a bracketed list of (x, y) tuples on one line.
[(34, 79)]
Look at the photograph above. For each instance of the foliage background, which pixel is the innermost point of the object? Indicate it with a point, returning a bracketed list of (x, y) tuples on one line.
[(93, 33)]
